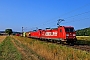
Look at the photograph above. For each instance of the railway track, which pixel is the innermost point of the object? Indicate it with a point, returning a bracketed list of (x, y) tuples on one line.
[(83, 47)]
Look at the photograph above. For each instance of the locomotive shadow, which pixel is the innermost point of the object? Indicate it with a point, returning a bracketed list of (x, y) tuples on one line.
[(82, 42)]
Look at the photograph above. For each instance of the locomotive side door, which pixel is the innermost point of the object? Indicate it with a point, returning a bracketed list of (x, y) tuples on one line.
[(60, 33)]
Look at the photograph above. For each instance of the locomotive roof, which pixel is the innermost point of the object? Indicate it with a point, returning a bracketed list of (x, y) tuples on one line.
[(66, 26), (54, 28)]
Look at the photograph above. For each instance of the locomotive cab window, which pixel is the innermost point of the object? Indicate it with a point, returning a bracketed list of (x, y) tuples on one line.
[(69, 30)]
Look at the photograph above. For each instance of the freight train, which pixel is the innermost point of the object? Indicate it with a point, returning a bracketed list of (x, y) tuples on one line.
[(60, 34)]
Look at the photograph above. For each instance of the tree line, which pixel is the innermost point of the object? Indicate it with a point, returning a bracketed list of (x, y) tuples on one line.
[(80, 32), (83, 32)]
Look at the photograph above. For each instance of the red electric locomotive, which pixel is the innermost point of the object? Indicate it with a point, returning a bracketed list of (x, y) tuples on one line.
[(35, 34), (60, 34)]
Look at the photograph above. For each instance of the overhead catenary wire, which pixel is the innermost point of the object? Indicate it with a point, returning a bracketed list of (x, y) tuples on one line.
[(68, 13), (78, 14), (74, 21), (71, 17), (77, 20), (48, 22), (75, 15), (76, 9)]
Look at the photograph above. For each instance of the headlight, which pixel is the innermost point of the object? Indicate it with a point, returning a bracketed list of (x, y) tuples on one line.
[(74, 34), (67, 34)]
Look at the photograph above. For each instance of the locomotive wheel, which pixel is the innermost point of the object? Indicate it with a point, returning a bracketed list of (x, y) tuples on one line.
[(59, 42), (53, 41), (72, 44)]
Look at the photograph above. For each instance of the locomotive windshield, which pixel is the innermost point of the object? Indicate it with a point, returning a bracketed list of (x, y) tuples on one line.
[(69, 30)]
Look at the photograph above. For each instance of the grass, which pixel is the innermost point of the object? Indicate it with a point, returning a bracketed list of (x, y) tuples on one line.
[(54, 51), (83, 40), (8, 50), (27, 50), (2, 38)]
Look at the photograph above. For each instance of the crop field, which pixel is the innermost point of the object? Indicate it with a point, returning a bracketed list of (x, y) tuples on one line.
[(2, 38), (83, 40), (51, 51), (11, 49), (22, 48), (8, 51)]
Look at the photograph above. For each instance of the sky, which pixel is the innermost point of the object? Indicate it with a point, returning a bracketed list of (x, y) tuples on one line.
[(32, 14)]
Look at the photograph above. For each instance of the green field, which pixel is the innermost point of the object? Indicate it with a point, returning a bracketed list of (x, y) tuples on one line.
[(12, 49), (54, 51), (8, 51), (32, 49), (83, 40)]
